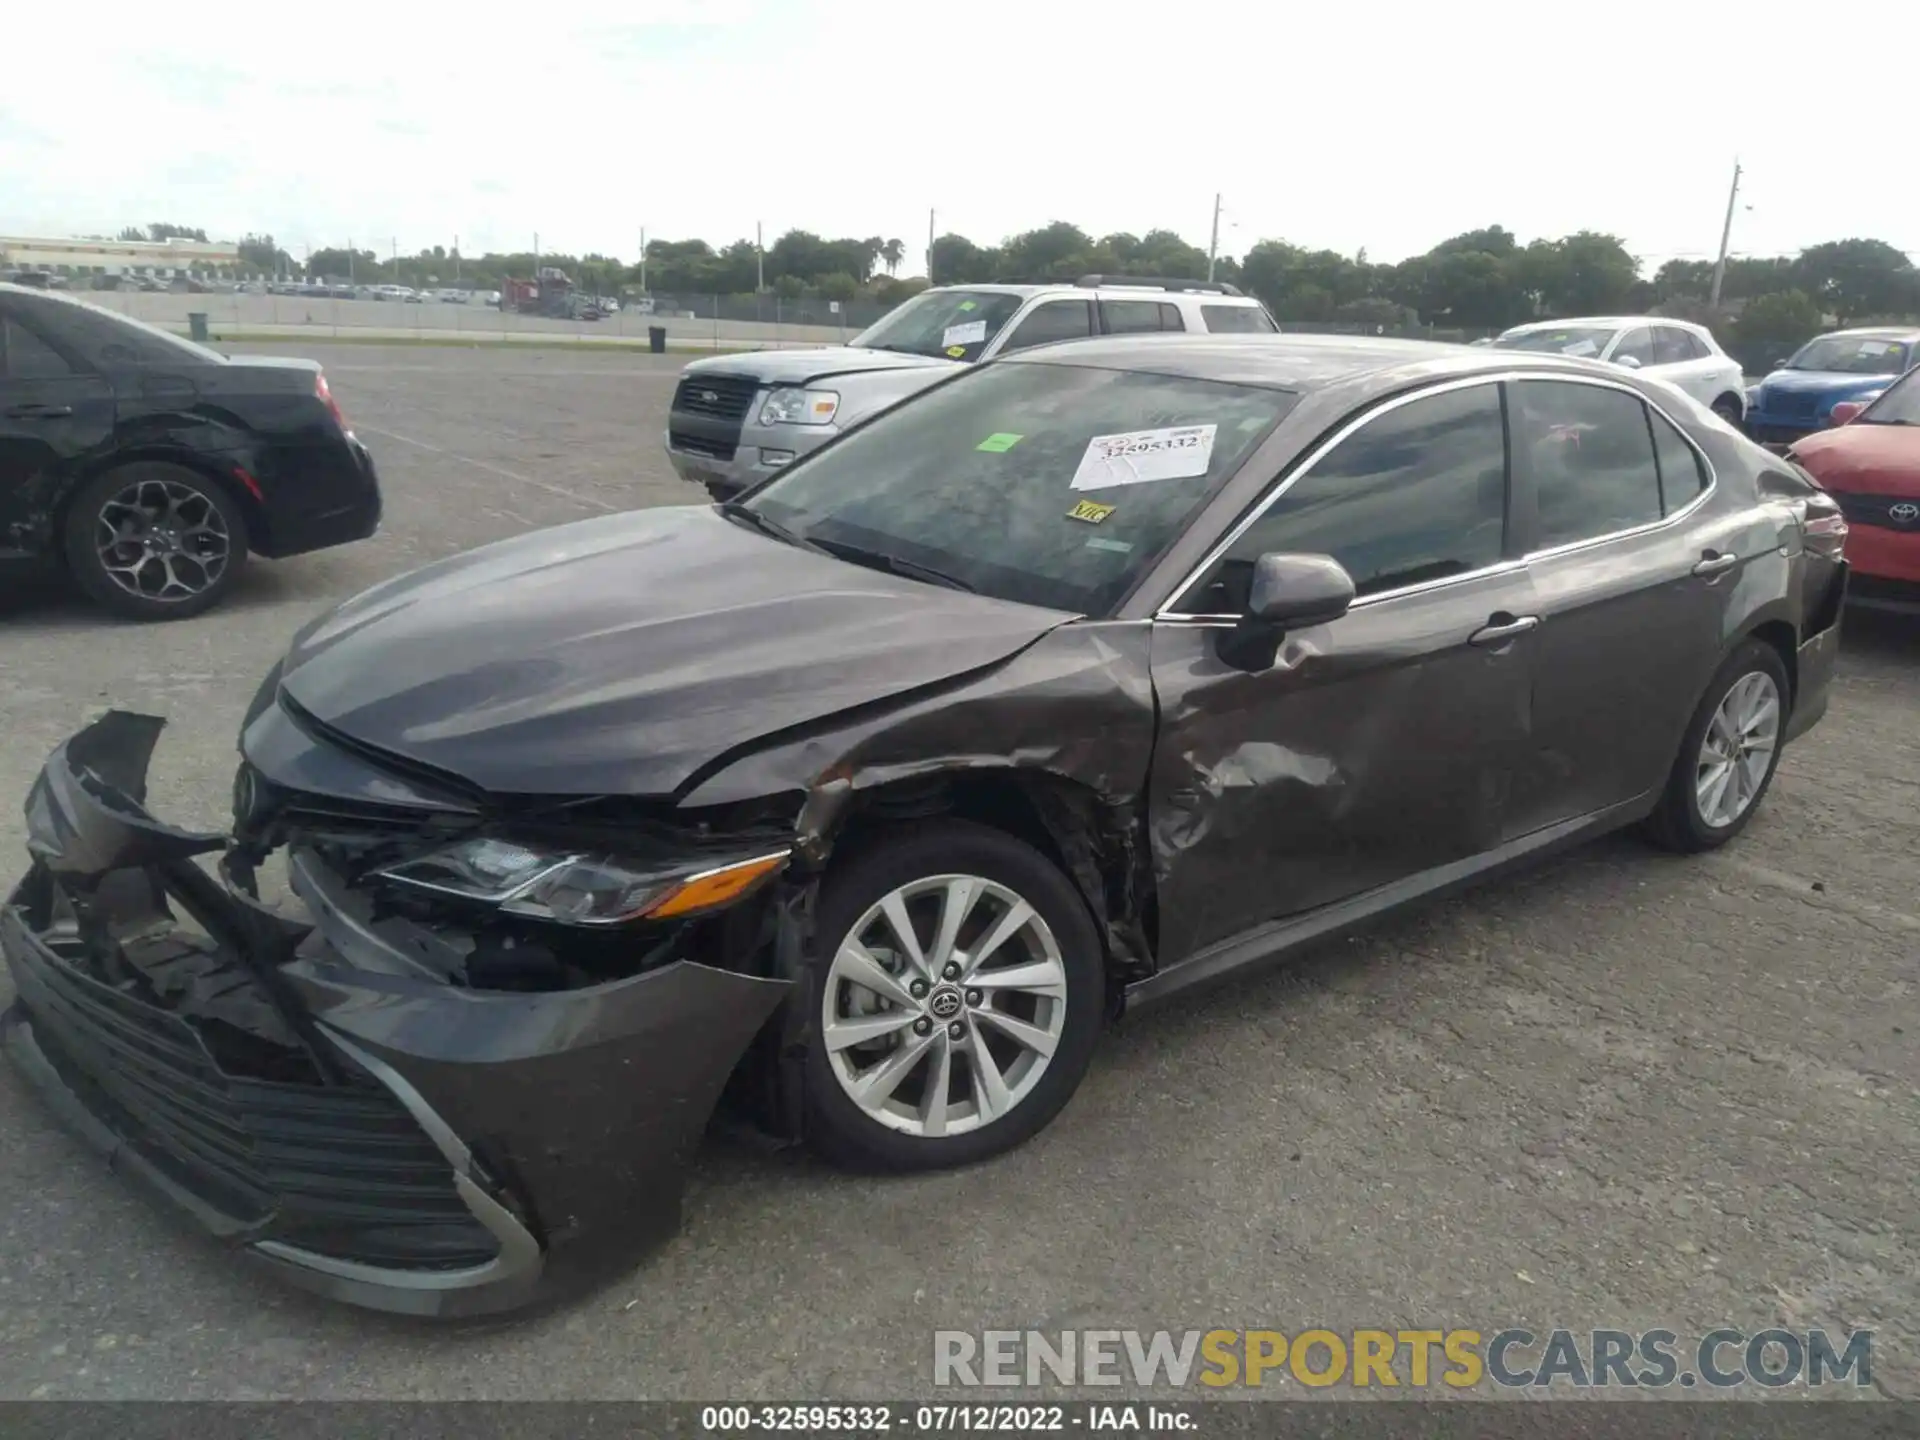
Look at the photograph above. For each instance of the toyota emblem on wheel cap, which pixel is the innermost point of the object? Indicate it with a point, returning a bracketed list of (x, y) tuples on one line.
[(944, 1003), (1905, 513)]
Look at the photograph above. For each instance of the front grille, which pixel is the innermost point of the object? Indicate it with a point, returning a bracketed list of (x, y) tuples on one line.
[(343, 1170), (1878, 510), (1794, 407), (701, 445), (716, 397)]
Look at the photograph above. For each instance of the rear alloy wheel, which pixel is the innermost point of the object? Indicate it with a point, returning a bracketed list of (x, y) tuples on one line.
[(1728, 758), (154, 542), (957, 1006)]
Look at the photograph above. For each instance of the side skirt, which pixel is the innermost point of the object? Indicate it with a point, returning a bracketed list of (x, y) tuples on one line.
[(1278, 939)]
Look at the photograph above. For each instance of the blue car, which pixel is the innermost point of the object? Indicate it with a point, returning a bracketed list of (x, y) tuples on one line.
[(1798, 397)]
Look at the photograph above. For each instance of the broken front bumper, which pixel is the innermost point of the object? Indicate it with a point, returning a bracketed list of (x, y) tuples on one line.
[(299, 1089)]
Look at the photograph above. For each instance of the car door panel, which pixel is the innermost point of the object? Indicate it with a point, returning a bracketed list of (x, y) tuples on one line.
[(1629, 615), (53, 415), (1376, 747)]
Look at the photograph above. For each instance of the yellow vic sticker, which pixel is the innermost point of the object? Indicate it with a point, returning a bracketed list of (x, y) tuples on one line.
[(956, 351), (1090, 511)]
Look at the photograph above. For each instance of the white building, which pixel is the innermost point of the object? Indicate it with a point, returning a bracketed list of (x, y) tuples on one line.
[(161, 258)]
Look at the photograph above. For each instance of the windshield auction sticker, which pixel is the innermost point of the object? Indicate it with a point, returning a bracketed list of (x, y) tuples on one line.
[(1140, 457), (971, 333)]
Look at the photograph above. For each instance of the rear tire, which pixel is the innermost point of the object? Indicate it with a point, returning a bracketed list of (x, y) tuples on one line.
[(1729, 409), (1729, 755), (153, 541), (927, 1066)]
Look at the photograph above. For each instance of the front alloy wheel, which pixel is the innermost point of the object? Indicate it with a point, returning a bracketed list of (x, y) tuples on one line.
[(959, 993), (944, 1005)]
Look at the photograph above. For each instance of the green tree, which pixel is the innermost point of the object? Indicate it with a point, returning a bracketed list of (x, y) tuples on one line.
[(1054, 252), (958, 261), (891, 254), (1773, 326), (1857, 278), (1581, 274)]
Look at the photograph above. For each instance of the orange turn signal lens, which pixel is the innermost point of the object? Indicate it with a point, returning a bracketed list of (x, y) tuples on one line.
[(713, 888)]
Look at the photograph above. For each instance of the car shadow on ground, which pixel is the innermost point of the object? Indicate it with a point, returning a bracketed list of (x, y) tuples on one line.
[(1881, 634), (50, 602)]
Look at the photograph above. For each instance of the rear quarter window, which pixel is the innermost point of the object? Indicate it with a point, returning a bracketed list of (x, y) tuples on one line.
[(1237, 320)]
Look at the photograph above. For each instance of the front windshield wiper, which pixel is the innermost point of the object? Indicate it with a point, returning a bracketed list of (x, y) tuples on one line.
[(881, 560), (767, 525)]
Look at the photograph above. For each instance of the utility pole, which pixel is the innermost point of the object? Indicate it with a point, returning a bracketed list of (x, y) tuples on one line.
[(643, 260), (1726, 234), (759, 261), (456, 259), (349, 259), (393, 250), (929, 248), (1213, 245)]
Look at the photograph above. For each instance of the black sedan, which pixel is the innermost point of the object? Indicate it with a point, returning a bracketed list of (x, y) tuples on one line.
[(148, 467), (1084, 676)]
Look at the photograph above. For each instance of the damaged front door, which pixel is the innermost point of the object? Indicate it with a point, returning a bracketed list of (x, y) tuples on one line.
[(1378, 745)]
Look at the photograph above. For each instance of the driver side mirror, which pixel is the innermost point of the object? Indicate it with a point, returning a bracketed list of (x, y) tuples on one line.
[(1293, 591), (1627, 362), (1285, 592)]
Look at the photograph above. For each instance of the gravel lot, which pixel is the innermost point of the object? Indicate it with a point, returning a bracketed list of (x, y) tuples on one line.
[(1625, 1090)]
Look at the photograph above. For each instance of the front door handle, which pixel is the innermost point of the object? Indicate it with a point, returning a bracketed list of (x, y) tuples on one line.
[(1502, 627), (39, 412), (1715, 562)]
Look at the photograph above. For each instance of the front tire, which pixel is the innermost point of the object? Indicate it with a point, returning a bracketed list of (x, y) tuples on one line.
[(956, 996), (152, 541), (1728, 757)]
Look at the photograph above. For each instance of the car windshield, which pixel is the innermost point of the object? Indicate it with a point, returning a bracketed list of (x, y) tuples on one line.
[(1899, 405), (1850, 355), (952, 324), (1049, 484), (1580, 340)]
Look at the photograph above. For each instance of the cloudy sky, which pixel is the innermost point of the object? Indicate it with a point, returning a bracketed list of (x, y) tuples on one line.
[(1380, 125)]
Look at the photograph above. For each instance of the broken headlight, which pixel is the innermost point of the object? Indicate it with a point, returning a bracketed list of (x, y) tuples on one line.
[(577, 889)]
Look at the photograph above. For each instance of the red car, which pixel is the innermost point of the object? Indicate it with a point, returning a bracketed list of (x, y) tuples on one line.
[(1870, 462)]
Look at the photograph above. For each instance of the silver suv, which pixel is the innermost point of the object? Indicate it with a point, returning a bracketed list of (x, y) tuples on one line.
[(738, 419)]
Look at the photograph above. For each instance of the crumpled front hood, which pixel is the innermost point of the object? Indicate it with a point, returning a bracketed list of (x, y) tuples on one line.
[(798, 367), (620, 655)]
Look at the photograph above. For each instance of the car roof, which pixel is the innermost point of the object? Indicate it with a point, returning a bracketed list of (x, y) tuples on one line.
[(1116, 285), (1874, 332), (1298, 363), (1602, 322)]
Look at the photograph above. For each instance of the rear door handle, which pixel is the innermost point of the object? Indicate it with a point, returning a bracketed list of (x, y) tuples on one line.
[(39, 412), (1497, 629), (1716, 562)]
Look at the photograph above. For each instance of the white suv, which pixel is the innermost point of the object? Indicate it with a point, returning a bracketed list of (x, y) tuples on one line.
[(738, 419), (1683, 354)]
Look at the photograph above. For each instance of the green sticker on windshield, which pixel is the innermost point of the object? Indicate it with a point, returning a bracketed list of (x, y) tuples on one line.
[(966, 304), (999, 444)]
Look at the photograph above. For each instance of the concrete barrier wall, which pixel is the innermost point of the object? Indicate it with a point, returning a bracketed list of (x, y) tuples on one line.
[(297, 315)]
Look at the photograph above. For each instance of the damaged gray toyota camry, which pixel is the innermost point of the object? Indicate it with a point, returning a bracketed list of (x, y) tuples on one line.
[(865, 801)]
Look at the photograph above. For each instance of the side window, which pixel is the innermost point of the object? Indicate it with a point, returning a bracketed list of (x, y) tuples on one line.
[(1673, 346), (1170, 318), (1636, 343), (1683, 474), (1055, 320), (25, 356), (1236, 320), (1590, 453), (1132, 317), (1417, 494)]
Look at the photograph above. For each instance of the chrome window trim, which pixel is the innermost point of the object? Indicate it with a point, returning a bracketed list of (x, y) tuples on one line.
[(1340, 436)]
